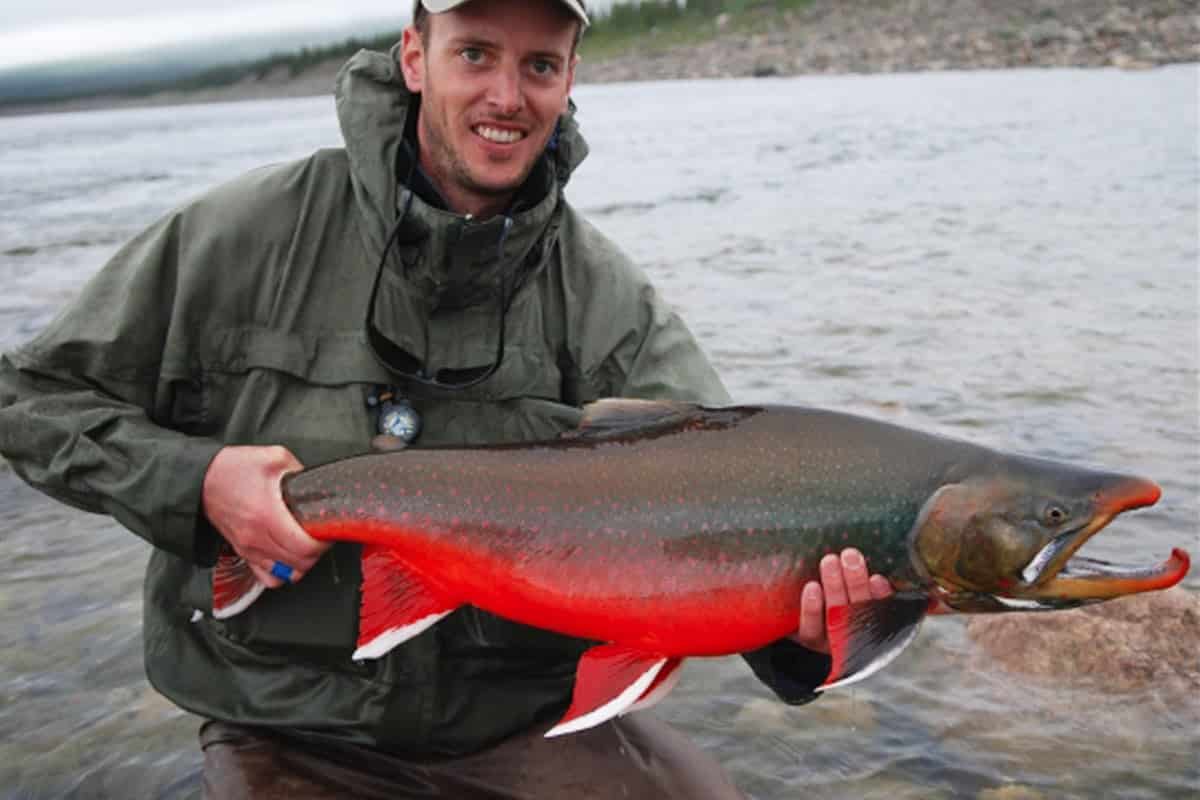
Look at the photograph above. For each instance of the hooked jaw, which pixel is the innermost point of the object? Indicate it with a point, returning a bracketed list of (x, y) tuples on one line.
[(978, 543), (1054, 579)]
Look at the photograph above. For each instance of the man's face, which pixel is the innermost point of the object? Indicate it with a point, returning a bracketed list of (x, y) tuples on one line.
[(494, 75)]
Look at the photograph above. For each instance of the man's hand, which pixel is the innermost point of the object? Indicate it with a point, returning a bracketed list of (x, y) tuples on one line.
[(844, 580), (243, 500)]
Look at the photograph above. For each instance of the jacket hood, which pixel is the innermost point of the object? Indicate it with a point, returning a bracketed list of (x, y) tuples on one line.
[(373, 106), (441, 262)]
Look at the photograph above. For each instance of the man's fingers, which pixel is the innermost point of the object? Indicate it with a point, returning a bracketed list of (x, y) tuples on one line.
[(264, 576), (831, 580), (812, 616), (881, 587), (810, 632), (284, 570), (274, 566), (844, 580), (854, 574), (293, 546), (242, 497), (270, 574)]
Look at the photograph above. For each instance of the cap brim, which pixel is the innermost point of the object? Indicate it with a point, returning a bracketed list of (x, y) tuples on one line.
[(440, 6)]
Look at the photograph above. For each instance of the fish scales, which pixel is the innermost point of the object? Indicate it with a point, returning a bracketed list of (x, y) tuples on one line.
[(661, 540), (665, 531)]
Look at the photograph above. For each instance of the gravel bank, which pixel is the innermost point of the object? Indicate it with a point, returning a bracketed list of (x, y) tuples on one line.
[(858, 36), (840, 36)]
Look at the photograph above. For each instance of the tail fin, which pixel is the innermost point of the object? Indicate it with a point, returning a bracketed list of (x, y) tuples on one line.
[(234, 586)]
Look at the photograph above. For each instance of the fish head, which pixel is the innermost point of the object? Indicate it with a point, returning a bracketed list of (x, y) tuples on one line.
[(1005, 538)]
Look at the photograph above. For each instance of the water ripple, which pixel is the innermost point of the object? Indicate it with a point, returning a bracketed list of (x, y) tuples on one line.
[(944, 251)]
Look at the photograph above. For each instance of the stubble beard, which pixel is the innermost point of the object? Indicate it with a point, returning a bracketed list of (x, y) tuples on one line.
[(450, 166)]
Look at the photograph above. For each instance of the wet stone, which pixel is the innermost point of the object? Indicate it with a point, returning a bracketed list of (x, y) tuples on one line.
[(1128, 644)]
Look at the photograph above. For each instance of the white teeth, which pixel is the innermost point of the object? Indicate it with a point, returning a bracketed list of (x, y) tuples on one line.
[(499, 136)]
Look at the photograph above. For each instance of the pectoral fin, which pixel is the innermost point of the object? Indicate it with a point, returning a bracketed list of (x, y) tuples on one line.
[(866, 637), (397, 603), (609, 680), (234, 586)]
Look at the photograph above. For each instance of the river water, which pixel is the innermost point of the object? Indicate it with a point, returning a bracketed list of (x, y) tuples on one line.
[(1009, 257)]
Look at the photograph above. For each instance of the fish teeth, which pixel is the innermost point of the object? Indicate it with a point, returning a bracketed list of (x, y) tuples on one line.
[(1034, 569)]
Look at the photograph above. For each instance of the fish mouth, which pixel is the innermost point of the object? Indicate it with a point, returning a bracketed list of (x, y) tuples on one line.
[(1057, 578)]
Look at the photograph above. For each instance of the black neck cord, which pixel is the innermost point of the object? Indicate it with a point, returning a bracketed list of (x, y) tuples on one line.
[(421, 377)]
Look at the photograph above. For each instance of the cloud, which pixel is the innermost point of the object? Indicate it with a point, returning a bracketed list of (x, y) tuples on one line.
[(69, 33)]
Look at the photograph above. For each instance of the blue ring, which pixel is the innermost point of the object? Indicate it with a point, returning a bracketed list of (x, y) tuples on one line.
[(282, 571)]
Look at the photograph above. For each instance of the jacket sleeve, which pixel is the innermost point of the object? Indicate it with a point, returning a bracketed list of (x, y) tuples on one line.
[(645, 350), (623, 338), (791, 670), (84, 406)]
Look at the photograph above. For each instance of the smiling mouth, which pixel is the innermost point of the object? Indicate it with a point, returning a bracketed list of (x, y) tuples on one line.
[(498, 135)]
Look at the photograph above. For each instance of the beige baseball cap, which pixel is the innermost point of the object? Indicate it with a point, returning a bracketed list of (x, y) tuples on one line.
[(438, 6)]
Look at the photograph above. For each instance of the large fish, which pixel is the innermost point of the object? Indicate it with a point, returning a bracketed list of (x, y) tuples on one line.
[(667, 530)]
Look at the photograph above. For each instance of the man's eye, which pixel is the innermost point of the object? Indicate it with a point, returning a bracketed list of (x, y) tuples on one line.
[(543, 67), (472, 55)]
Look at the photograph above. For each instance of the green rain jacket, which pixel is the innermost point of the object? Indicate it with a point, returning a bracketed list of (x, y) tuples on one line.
[(239, 319)]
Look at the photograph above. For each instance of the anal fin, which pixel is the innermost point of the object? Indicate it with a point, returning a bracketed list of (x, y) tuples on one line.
[(866, 637), (397, 604), (234, 586), (660, 687), (609, 680)]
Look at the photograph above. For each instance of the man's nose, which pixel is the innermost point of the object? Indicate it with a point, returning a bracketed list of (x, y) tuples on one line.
[(505, 94)]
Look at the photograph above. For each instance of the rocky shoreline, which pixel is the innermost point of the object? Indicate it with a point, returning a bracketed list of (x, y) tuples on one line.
[(859, 36), (837, 37)]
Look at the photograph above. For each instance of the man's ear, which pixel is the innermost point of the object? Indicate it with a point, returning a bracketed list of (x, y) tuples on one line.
[(570, 81), (412, 59)]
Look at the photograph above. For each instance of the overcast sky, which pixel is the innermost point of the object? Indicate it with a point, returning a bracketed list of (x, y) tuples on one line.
[(40, 31)]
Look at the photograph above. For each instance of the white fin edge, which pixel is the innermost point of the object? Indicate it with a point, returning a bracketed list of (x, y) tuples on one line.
[(1019, 604), (385, 641), (884, 658), (242, 603), (613, 707), (659, 692)]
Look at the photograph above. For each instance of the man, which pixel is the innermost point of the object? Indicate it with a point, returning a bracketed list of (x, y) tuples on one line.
[(430, 268)]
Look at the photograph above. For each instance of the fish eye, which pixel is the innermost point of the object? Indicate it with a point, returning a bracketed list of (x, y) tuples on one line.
[(1054, 515)]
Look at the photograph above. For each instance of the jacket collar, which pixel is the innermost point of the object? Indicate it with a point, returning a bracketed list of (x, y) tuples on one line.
[(442, 261), (374, 107)]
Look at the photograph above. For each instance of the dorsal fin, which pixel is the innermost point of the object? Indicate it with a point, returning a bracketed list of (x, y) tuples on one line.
[(616, 416)]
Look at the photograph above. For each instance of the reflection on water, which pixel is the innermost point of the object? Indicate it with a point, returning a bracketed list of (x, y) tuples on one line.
[(1007, 257)]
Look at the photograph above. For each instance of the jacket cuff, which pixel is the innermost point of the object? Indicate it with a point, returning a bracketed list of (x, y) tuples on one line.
[(183, 530), (791, 670)]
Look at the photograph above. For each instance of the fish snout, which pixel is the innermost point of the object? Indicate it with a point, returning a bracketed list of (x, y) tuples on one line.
[(1058, 578), (1126, 494), (1011, 544)]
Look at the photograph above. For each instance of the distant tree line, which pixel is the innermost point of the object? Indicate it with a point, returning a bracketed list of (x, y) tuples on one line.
[(622, 20), (642, 15), (295, 63), (612, 30)]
